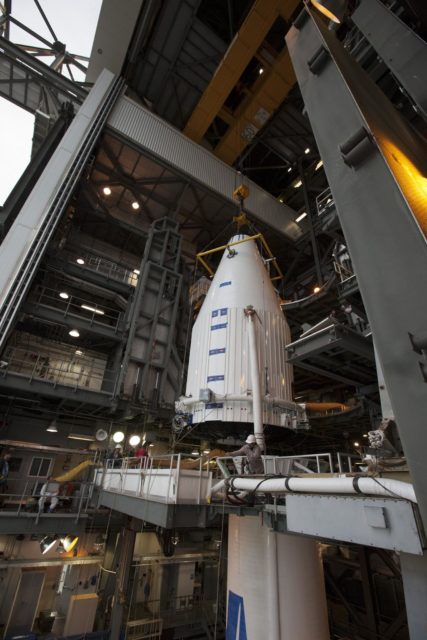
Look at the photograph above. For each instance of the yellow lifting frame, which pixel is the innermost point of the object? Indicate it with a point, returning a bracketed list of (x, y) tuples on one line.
[(200, 256)]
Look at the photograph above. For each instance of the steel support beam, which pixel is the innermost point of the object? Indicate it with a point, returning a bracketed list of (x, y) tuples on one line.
[(169, 147), (402, 50), (375, 167), (33, 85)]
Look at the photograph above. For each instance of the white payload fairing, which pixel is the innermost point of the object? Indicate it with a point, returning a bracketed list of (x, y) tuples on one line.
[(237, 369)]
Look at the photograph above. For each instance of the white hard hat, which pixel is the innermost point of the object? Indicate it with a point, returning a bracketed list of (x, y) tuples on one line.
[(251, 439)]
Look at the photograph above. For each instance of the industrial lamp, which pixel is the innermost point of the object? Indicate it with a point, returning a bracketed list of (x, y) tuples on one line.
[(332, 9), (134, 441), (53, 427), (69, 542), (47, 543), (118, 436)]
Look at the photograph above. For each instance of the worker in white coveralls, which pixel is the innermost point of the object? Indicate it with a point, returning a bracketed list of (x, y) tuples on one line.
[(49, 490), (253, 452)]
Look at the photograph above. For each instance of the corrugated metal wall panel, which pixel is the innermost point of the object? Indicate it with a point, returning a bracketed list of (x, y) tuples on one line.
[(170, 146)]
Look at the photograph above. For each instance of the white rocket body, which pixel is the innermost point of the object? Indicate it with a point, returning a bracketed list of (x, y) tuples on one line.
[(219, 382), (275, 585)]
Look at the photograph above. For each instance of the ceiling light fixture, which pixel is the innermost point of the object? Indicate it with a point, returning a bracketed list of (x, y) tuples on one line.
[(74, 333), (194, 453), (134, 441), (64, 295), (80, 261), (332, 9), (289, 169), (297, 184), (261, 71), (107, 191), (135, 205), (356, 444), (206, 450), (78, 352), (319, 164), (93, 309), (281, 200), (301, 217), (316, 289), (118, 436), (136, 272), (307, 150)]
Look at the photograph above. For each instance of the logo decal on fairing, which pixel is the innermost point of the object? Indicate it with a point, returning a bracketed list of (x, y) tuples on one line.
[(236, 623)]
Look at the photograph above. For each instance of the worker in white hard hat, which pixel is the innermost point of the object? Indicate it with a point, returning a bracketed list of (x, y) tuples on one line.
[(253, 452)]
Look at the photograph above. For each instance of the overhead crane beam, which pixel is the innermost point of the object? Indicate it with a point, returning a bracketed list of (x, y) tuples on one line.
[(270, 89)]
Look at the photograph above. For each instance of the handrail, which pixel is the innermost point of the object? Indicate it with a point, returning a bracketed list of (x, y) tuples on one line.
[(33, 365), (79, 501)]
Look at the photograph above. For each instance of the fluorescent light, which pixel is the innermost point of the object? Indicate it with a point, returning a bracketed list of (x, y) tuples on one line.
[(136, 272), (301, 217), (81, 436), (74, 333), (297, 184), (206, 450), (307, 150), (93, 309), (319, 164), (194, 453), (107, 191), (261, 71), (64, 295), (135, 205), (80, 261)]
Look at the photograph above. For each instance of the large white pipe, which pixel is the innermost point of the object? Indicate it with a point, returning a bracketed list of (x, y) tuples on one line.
[(345, 485), (256, 384)]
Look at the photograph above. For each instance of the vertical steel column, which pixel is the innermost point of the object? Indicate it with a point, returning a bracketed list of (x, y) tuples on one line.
[(124, 554), (375, 164), (153, 318), (414, 574), (402, 50)]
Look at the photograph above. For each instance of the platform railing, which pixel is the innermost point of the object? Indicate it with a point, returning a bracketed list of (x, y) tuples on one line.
[(105, 267), (346, 462), (56, 370), (279, 465), (171, 478), (26, 503)]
